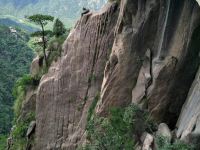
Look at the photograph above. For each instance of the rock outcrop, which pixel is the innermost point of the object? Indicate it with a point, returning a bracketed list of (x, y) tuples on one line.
[(155, 43), (66, 92), (189, 121), (163, 130), (141, 52)]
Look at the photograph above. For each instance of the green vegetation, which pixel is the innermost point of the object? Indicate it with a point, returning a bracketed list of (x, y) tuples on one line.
[(54, 47), (92, 107), (119, 130), (19, 131), (51, 41), (15, 59), (3, 140), (163, 143), (19, 91), (122, 128), (58, 28), (21, 124), (42, 20), (10, 22)]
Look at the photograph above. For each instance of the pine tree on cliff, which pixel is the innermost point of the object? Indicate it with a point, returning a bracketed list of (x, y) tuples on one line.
[(42, 21), (58, 28)]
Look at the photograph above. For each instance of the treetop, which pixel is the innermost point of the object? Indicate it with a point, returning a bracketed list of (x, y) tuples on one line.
[(40, 19)]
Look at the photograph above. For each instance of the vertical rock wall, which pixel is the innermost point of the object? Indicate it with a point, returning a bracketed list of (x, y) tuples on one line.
[(189, 121), (148, 54), (66, 92), (154, 58)]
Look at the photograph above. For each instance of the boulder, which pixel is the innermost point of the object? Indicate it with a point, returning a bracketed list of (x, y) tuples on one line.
[(35, 66), (164, 131), (31, 129), (148, 141)]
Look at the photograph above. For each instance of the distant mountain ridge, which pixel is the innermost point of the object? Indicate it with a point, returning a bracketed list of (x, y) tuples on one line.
[(21, 3), (14, 23), (66, 10)]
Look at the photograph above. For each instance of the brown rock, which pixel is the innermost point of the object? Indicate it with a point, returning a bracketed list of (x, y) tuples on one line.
[(66, 92), (169, 30), (153, 44), (35, 66)]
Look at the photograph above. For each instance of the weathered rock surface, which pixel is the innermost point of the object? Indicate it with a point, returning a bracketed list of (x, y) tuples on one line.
[(146, 53), (31, 129), (163, 130), (35, 67), (29, 103), (66, 92), (155, 41), (189, 120), (148, 142)]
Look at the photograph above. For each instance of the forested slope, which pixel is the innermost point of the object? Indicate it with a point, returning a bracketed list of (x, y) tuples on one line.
[(15, 58)]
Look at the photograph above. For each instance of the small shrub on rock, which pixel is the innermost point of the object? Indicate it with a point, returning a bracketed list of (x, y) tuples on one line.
[(118, 130)]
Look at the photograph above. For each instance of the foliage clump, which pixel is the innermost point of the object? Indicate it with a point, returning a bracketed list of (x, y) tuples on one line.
[(19, 91), (59, 28), (163, 143), (118, 130), (49, 47), (19, 131), (3, 139), (92, 107), (42, 21), (21, 124)]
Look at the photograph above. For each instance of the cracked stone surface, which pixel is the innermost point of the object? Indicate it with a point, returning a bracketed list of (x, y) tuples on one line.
[(66, 92), (136, 53)]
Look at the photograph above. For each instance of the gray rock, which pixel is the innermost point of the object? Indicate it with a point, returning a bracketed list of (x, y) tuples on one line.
[(31, 129), (189, 120), (164, 130), (35, 66), (148, 142)]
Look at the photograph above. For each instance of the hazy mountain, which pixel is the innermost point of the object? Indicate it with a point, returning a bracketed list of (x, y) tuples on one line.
[(67, 10), (15, 23)]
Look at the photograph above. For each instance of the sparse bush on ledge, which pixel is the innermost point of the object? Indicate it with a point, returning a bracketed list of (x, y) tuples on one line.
[(19, 91), (19, 131), (118, 130), (21, 124), (163, 143)]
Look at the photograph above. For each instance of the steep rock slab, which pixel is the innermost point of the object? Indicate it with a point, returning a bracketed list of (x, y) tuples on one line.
[(189, 120), (136, 23), (66, 92), (155, 41)]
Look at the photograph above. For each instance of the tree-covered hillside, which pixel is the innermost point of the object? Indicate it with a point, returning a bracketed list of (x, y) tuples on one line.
[(66, 10), (15, 59), (15, 23)]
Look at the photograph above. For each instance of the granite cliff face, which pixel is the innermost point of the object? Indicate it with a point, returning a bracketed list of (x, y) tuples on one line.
[(155, 43), (66, 92), (141, 52)]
